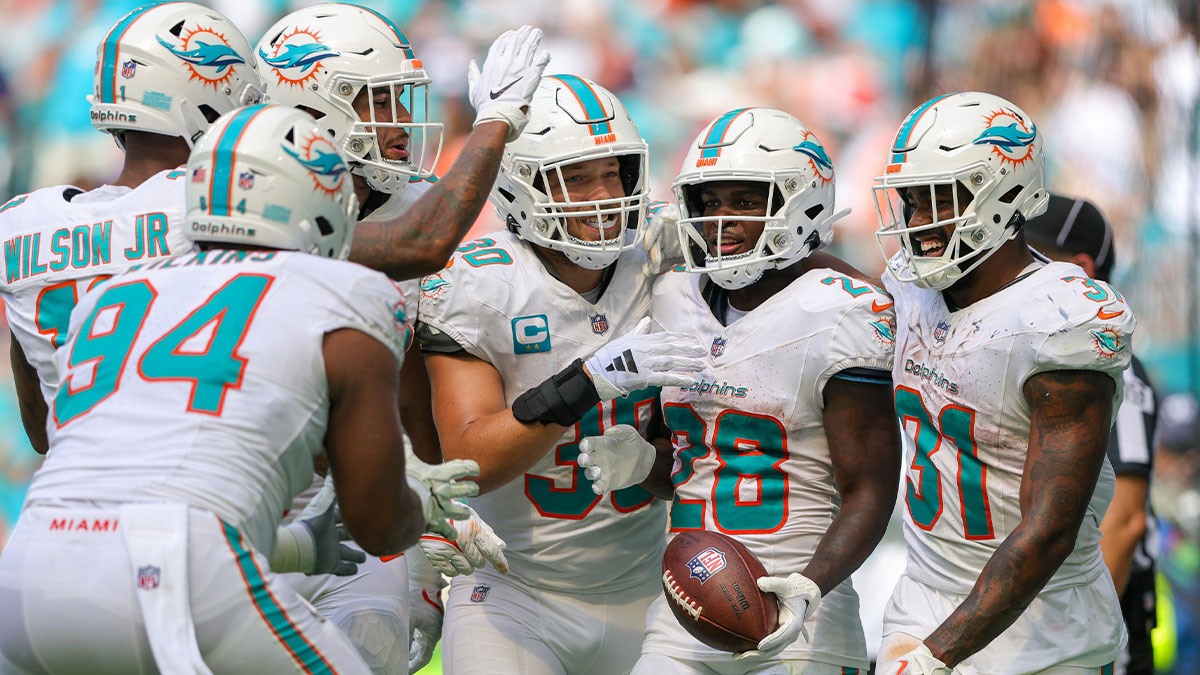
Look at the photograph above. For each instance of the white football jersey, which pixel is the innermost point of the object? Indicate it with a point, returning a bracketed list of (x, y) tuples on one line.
[(498, 302), (958, 381), (751, 456), (201, 379), (55, 249)]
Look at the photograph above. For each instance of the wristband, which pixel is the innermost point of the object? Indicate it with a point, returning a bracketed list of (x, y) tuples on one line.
[(562, 399)]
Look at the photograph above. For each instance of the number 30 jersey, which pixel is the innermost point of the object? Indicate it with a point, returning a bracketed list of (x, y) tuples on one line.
[(58, 241), (958, 381), (497, 302), (201, 379), (751, 456)]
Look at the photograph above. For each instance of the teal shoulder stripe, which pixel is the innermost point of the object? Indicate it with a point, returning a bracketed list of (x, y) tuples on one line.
[(15, 201), (224, 155), (909, 123), (108, 62), (298, 647), (408, 52), (593, 107), (716, 133)]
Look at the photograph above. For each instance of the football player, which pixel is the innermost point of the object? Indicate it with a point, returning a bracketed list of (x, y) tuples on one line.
[(357, 72), (1074, 230), (535, 337), (785, 439), (163, 74), (196, 393), (1008, 373)]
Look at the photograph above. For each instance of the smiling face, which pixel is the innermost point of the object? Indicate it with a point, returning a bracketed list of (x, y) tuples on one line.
[(386, 106), (919, 206), (738, 208), (589, 181)]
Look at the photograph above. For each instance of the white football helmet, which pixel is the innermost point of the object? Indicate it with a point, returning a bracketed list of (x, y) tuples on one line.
[(270, 176), (572, 120), (321, 58), (760, 145), (171, 69), (980, 142)]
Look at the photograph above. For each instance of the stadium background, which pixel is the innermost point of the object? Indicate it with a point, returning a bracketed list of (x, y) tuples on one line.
[(1112, 84)]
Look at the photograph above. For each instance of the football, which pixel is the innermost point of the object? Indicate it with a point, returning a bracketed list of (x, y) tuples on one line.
[(711, 582)]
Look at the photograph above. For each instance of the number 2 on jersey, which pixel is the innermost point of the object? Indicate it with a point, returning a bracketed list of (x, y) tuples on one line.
[(201, 349), (924, 496)]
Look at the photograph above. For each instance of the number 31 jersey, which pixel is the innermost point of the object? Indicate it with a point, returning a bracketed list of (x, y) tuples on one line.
[(59, 241), (958, 381), (751, 456), (202, 380)]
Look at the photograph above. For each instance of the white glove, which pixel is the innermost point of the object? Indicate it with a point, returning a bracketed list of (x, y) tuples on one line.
[(314, 545), (659, 237), (919, 661), (510, 75), (641, 359), (475, 546), (425, 611), (438, 486), (616, 460), (798, 599)]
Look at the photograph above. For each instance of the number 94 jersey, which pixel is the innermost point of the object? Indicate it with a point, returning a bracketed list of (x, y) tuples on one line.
[(751, 456), (958, 380)]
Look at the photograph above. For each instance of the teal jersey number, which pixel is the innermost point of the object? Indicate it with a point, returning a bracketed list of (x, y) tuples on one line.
[(924, 495), (201, 349), (216, 367), (576, 501), (52, 313), (750, 451)]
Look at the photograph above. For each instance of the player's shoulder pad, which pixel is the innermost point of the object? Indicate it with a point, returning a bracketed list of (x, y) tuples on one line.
[(1087, 323)]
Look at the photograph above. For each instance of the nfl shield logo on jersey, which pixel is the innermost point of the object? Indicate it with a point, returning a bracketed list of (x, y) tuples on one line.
[(718, 347), (148, 577), (599, 324), (128, 68), (480, 593), (706, 563), (941, 330), (246, 180)]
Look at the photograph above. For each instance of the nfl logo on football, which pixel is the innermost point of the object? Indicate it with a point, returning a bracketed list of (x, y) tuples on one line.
[(246, 180), (941, 330), (148, 577), (599, 324), (706, 563), (128, 68), (718, 347)]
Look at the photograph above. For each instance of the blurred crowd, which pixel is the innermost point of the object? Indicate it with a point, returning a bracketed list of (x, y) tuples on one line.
[(1113, 84)]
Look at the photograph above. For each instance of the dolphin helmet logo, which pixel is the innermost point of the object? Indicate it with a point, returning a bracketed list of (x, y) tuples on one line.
[(1011, 136), (325, 166), (207, 56), (297, 57), (811, 148)]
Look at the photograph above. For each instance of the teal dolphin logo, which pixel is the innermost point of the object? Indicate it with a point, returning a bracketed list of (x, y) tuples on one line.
[(324, 164), (303, 57), (1014, 141), (815, 152), (207, 55)]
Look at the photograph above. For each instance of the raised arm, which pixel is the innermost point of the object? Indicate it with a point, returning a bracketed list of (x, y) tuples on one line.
[(1071, 411), (420, 241)]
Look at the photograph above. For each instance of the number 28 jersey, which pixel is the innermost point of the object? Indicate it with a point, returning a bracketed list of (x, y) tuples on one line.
[(751, 456), (202, 380), (958, 382), (57, 242)]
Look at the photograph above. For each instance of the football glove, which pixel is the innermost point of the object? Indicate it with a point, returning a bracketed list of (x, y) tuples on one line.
[(618, 459), (475, 546), (641, 359), (502, 90), (658, 237), (438, 486), (313, 543), (425, 610), (919, 661), (798, 599)]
